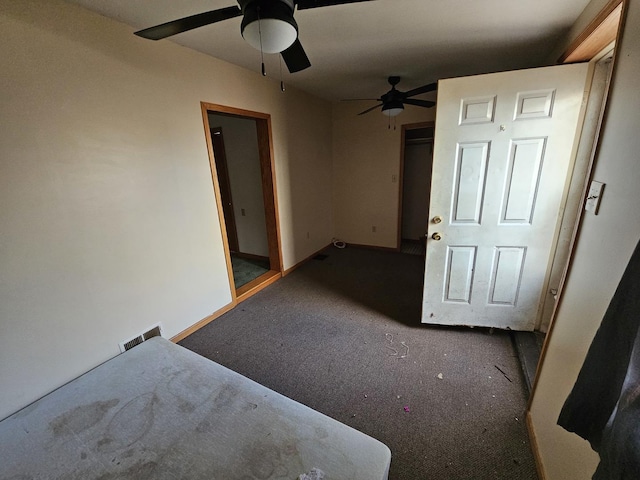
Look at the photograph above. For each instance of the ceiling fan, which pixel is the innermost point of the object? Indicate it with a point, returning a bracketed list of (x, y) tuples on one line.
[(267, 25), (393, 101)]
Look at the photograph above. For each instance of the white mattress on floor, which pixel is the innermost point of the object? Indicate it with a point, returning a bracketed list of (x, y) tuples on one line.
[(161, 411)]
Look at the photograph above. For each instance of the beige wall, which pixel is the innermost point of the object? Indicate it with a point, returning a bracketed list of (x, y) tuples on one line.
[(603, 249), (366, 155), (107, 216)]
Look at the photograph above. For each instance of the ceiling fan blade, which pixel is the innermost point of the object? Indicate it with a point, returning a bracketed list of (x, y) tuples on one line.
[(295, 57), (304, 4), (189, 23), (370, 109), (419, 103), (424, 89)]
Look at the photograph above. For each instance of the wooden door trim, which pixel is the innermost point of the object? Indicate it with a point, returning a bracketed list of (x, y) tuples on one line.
[(404, 128), (218, 199), (602, 31), (268, 174), (238, 112), (267, 168)]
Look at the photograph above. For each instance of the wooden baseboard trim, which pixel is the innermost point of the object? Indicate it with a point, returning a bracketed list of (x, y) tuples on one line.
[(302, 262), (534, 447), (374, 247), (245, 292), (198, 325), (256, 285), (251, 256), (242, 293)]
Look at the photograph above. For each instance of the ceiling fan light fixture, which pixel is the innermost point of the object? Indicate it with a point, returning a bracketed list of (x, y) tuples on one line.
[(269, 27), (391, 109), (277, 35)]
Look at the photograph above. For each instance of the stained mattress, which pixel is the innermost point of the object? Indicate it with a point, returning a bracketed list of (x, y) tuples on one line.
[(160, 411)]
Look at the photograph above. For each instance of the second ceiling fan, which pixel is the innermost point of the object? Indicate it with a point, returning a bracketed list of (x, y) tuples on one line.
[(393, 101), (267, 25)]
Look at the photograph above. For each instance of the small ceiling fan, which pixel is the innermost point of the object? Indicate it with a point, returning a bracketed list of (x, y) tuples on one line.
[(393, 101), (267, 25)]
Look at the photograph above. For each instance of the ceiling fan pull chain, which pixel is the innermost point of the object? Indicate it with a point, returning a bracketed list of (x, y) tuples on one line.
[(281, 81), (264, 70)]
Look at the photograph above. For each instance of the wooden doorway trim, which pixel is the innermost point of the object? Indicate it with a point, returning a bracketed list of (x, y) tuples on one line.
[(409, 126), (602, 31), (267, 168)]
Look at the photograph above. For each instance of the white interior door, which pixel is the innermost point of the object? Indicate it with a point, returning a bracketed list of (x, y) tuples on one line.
[(503, 152)]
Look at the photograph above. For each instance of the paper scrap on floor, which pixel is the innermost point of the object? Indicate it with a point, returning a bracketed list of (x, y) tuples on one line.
[(314, 474)]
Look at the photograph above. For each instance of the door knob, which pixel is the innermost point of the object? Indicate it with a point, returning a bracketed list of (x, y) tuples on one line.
[(437, 219), (436, 236)]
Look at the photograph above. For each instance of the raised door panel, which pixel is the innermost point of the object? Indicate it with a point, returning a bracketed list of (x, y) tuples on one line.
[(522, 180), (469, 182), (459, 274)]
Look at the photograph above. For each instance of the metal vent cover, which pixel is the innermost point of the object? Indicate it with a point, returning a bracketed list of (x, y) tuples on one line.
[(154, 331), (133, 342)]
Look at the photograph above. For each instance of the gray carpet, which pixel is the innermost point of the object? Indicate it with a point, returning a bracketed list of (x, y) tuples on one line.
[(343, 336)]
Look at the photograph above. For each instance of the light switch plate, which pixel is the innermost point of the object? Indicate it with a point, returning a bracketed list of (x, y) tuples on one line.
[(593, 197)]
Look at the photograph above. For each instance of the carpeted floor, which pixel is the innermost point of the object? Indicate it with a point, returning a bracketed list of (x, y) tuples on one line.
[(343, 336)]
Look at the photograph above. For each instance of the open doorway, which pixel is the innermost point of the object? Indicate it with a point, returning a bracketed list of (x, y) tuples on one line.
[(595, 44), (241, 160), (415, 186), (530, 345)]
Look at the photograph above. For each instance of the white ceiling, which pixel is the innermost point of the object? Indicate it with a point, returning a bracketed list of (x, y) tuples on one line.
[(353, 48)]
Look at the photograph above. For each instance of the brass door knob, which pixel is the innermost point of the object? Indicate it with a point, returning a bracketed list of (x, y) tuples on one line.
[(437, 219), (436, 236)]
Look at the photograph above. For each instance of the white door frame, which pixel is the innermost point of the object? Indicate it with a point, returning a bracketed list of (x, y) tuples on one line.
[(599, 75)]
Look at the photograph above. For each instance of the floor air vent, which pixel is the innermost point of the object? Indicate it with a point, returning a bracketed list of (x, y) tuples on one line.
[(155, 331)]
